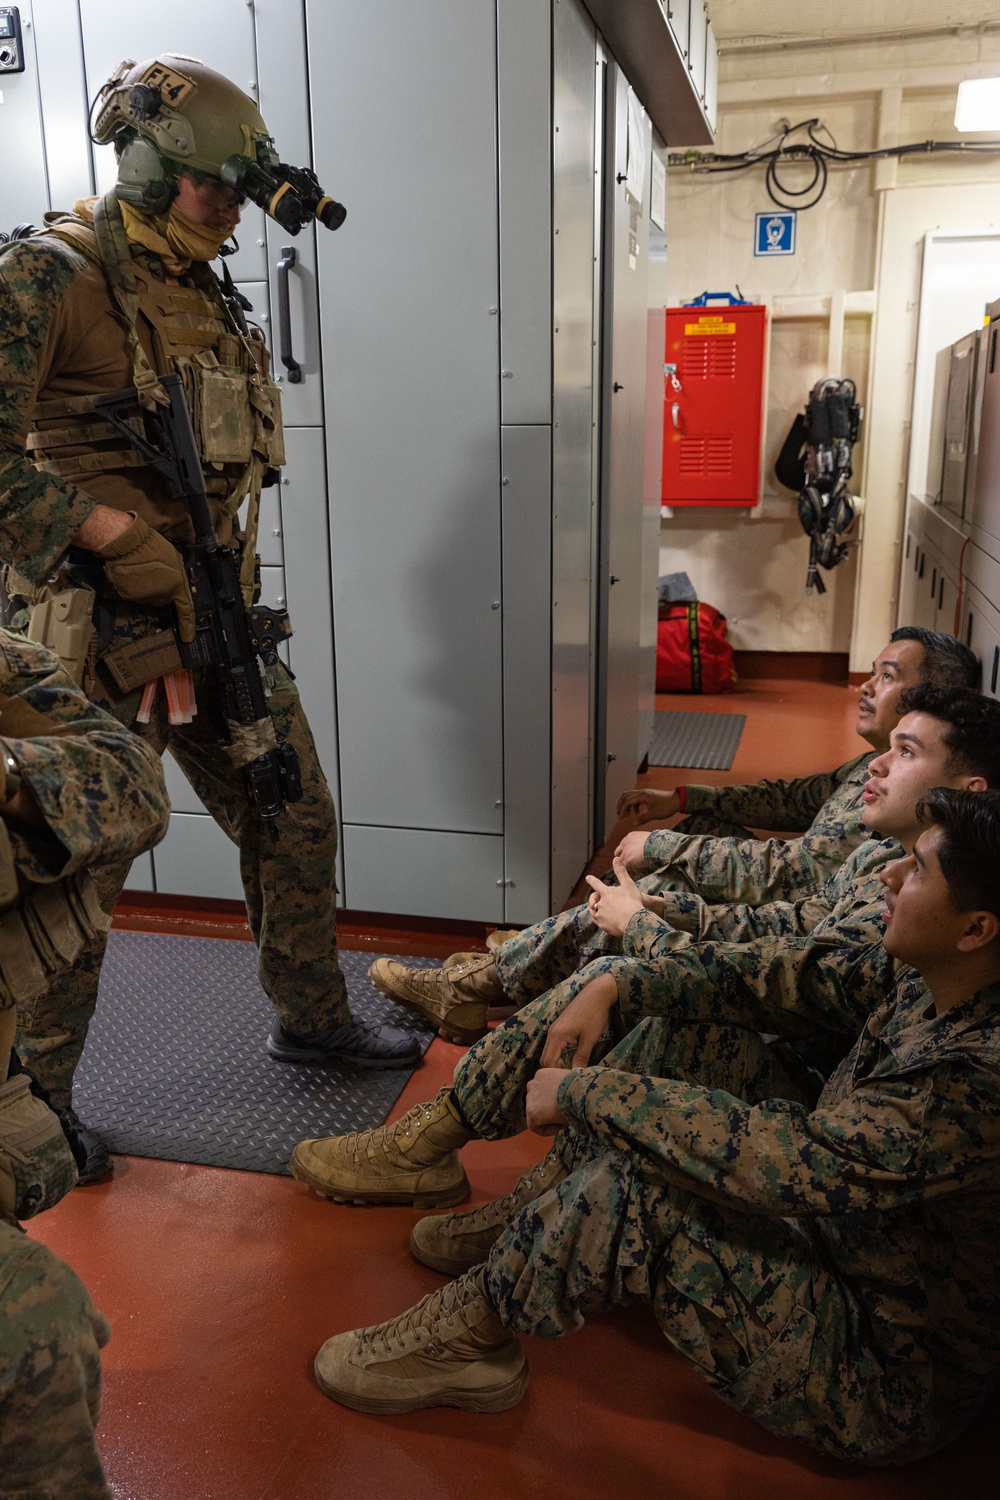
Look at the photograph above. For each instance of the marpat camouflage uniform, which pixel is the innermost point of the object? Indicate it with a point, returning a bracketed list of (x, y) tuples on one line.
[(825, 808), (829, 1270), (101, 794), (50, 1375), (58, 330), (846, 908)]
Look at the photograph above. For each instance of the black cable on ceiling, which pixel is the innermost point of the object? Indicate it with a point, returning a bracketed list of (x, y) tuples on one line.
[(813, 150)]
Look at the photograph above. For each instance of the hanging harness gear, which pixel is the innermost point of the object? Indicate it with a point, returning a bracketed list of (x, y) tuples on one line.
[(826, 510)]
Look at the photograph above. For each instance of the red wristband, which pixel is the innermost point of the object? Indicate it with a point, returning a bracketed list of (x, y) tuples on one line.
[(682, 796)]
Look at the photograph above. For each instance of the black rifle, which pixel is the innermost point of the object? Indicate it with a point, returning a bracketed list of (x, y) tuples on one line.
[(224, 636)]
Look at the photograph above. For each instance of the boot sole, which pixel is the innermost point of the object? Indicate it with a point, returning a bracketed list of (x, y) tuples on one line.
[(442, 1263), (501, 1398), (312, 1059), (461, 1036), (434, 1198)]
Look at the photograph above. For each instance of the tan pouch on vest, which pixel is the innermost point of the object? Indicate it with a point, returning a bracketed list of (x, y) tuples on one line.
[(266, 399), (36, 1163), (220, 410), (65, 624)]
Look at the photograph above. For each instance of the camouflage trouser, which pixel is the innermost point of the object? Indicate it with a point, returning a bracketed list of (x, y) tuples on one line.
[(747, 1300), (50, 1375), (538, 957), (288, 868), (491, 1079)]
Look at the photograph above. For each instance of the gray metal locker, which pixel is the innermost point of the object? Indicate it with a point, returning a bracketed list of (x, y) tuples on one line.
[(628, 152)]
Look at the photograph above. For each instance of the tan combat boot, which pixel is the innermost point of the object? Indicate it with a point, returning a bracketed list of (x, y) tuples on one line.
[(455, 1000), (494, 940), (454, 1243), (499, 936), (449, 1350), (415, 1160)]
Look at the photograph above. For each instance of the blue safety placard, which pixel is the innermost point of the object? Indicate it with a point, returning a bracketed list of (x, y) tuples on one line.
[(775, 234)]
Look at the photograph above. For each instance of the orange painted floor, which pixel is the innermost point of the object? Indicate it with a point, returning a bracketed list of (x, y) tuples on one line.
[(221, 1285)]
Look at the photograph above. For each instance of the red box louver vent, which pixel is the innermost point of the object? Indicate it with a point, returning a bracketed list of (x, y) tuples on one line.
[(713, 405)]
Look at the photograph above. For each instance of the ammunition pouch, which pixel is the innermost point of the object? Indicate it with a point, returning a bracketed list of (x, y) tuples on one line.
[(135, 663), (37, 1167)]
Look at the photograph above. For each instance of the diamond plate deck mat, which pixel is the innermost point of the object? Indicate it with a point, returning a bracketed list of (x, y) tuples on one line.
[(175, 1066), (707, 742)]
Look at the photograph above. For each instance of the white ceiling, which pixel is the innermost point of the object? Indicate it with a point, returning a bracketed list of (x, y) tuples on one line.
[(775, 19)]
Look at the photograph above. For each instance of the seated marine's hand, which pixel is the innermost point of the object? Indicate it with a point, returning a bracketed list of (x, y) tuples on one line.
[(631, 851), (541, 1109), (573, 1036), (648, 804), (613, 906), (143, 566), (655, 904)]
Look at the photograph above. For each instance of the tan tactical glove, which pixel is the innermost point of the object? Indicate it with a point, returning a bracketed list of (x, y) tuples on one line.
[(143, 566), (36, 1163)]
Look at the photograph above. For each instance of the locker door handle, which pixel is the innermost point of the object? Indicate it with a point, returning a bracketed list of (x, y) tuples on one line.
[(289, 256), (941, 593), (675, 412), (996, 669)]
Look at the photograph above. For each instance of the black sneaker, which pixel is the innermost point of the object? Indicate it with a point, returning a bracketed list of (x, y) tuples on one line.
[(353, 1042), (93, 1159)]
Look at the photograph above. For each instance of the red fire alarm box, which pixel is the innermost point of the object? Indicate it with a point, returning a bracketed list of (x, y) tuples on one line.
[(713, 404)]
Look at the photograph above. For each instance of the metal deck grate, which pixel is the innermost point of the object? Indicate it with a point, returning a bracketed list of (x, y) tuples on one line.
[(706, 742), (175, 1065)]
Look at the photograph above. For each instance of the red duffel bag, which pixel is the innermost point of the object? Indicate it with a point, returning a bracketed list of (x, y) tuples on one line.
[(692, 653)]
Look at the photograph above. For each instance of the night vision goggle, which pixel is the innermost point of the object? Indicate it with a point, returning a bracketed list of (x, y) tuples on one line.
[(291, 195)]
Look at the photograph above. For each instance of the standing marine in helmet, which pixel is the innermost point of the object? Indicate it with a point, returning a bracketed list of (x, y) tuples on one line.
[(117, 293)]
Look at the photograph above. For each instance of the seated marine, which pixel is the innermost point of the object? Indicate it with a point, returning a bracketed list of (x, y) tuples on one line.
[(829, 1268), (76, 789), (708, 855), (816, 988)]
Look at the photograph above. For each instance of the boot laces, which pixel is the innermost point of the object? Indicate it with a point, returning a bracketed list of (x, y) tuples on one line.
[(438, 1310), (501, 1210), (372, 1143)]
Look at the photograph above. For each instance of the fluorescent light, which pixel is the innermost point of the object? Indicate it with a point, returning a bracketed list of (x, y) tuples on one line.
[(978, 106)]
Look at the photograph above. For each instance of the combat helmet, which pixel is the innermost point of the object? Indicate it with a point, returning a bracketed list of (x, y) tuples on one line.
[(172, 114)]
